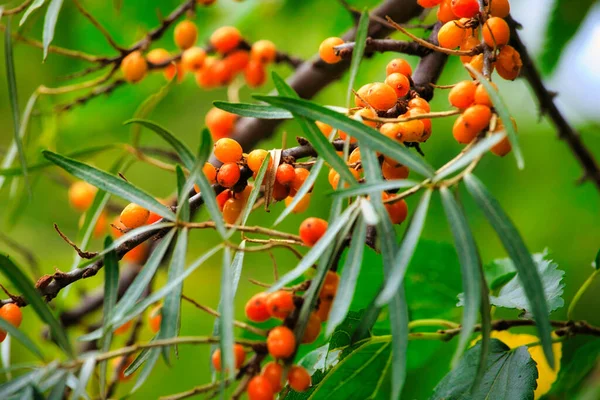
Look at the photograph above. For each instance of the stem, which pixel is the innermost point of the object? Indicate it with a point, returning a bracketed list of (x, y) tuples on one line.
[(432, 322), (580, 293)]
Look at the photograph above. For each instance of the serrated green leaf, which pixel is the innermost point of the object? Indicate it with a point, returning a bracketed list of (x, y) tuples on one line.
[(360, 42), (34, 6), (365, 134), (21, 337), (370, 187), (111, 288), (50, 24), (260, 111), (516, 249), (27, 289), (110, 183), (579, 357), (87, 369), (187, 157)]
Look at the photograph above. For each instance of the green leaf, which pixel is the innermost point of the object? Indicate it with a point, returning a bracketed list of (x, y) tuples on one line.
[(502, 110), (187, 157), (183, 188), (470, 264), (21, 337), (111, 288), (16, 384), (110, 183), (304, 189), (50, 24), (579, 358), (564, 22), (514, 245), (370, 187), (58, 391), (87, 369), (508, 374), (226, 341), (34, 6), (360, 42), (365, 134), (13, 97), (27, 289), (260, 176), (151, 360), (282, 87), (253, 110), (406, 250)]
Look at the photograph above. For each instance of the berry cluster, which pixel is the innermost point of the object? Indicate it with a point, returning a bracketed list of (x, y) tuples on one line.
[(12, 314)]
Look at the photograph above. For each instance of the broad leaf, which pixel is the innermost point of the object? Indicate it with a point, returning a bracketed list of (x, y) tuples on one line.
[(579, 358), (253, 110), (50, 24)]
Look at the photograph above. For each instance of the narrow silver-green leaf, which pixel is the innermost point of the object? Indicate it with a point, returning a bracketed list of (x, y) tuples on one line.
[(363, 133), (139, 360), (282, 87), (12, 386), (470, 264), (226, 320), (304, 189), (34, 6), (521, 257), (87, 369), (50, 24), (58, 391), (369, 213), (260, 176), (260, 111), (111, 288), (406, 251), (183, 188), (153, 355), (21, 337), (26, 288), (187, 157), (360, 42), (110, 183), (370, 187)]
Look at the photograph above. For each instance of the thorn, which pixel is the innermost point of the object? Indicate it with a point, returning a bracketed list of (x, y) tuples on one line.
[(83, 254)]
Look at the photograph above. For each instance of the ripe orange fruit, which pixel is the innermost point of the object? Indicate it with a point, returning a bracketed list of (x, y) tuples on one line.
[(299, 378), (227, 150), (419, 102), (381, 96), (508, 63), (237, 60), (81, 195), (477, 117), (185, 34), (134, 67), (116, 362), (123, 328), (255, 73), (159, 56), (481, 95), (323, 311), (210, 172), (256, 158), (302, 206), (445, 13), (326, 51), (495, 32), (398, 65), (299, 177), (225, 39), (280, 304), (239, 356), (464, 8), (155, 318), (468, 44), (205, 77), (462, 95), (394, 170), (451, 35), (281, 342), (398, 211), (263, 51), (399, 82), (220, 123), (285, 174), (259, 388), (133, 216), (313, 328), (228, 175), (463, 133), (499, 8), (273, 372), (11, 313), (232, 209), (312, 229), (256, 308), (193, 58)]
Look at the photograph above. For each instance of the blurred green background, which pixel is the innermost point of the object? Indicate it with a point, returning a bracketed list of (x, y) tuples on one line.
[(547, 206)]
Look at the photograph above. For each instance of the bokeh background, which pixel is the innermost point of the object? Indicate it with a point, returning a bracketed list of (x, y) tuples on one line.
[(545, 202)]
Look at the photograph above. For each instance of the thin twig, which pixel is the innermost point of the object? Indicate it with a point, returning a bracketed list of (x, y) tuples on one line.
[(98, 26), (83, 254)]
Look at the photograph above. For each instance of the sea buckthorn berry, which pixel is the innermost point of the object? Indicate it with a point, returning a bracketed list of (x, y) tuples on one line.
[(134, 216), (330, 285), (153, 217), (312, 229), (155, 318), (477, 117), (281, 342), (381, 96), (392, 130), (280, 192), (468, 44), (323, 311), (244, 194), (222, 198), (222, 72), (193, 58), (499, 8), (232, 210), (398, 65), (425, 121), (3, 336), (259, 388), (11, 313), (445, 13), (399, 82), (117, 228), (256, 158), (239, 356), (228, 150), (364, 114), (302, 205), (354, 157), (463, 133), (205, 77), (508, 63), (428, 3), (331, 178), (263, 51), (462, 95), (116, 363), (228, 175), (326, 51), (255, 73), (210, 172), (336, 178), (280, 304), (299, 177), (225, 39), (159, 56), (220, 123), (81, 195), (451, 35), (137, 255), (285, 174), (361, 95), (324, 128), (256, 308), (419, 102), (502, 148), (481, 95), (237, 60), (477, 64), (273, 372), (398, 211), (495, 32), (411, 131), (185, 34), (134, 67), (394, 170), (123, 328), (344, 135), (464, 8), (298, 378)]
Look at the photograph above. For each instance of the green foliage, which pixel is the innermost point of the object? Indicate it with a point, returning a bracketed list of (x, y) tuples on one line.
[(50, 24), (254, 110)]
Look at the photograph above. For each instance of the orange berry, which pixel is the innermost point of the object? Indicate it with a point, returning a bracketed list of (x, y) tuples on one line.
[(428, 3), (205, 77), (502, 148), (134, 216), (153, 217), (3, 336), (256, 308), (100, 226), (354, 157), (280, 191), (155, 318), (331, 278), (299, 177), (495, 32), (508, 63), (394, 170), (451, 35), (134, 67), (299, 378), (260, 388), (463, 133), (81, 195), (464, 8), (419, 102), (302, 205), (312, 229), (185, 34), (363, 114), (409, 131), (263, 51), (222, 72), (228, 150), (123, 328), (239, 356), (344, 135), (391, 130), (330, 285), (399, 82), (499, 8), (398, 65), (210, 172), (477, 117), (381, 96), (256, 158), (159, 56), (313, 328), (237, 60), (220, 123), (477, 64), (116, 362), (255, 74), (481, 95), (426, 122), (138, 254), (462, 95), (193, 58), (12, 314), (398, 211), (361, 94), (333, 178), (324, 308), (445, 13), (244, 194), (228, 175), (281, 342), (222, 198), (273, 372), (326, 51), (285, 174), (225, 39), (324, 128), (232, 209), (280, 304), (468, 43)]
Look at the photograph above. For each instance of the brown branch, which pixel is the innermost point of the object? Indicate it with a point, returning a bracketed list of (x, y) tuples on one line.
[(98, 26), (106, 89), (83, 254), (18, 8), (383, 45)]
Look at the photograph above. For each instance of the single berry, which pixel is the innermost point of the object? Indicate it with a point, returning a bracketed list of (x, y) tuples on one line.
[(220, 123), (354, 157), (477, 117), (299, 177), (285, 174), (134, 67), (360, 97), (425, 121), (273, 372), (280, 192), (138, 254), (482, 96), (123, 328), (259, 388), (210, 172), (160, 56), (193, 58), (465, 8), (451, 35), (445, 13), (468, 43), (495, 32), (281, 342), (326, 51), (155, 318), (419, 102), (280, 304), (122, 365), (256, 308), (330, 286), (399, 82), (398, 211), (223, 72), (299, 378), (477, 64), (394, 170), (263, 51), (225, 39), (256, 158), (312, 229), (232, 209), (185, 34), (81, 195), (323, 311), (398, 65), (365, 115), (205, 77), (133, 216), (237, 60), (463, 133), (313, 328), (255, 74), (508, 63), (11, 313), (228, 175), (462, 95), (228, 150), (324, 128), (381, 96), (302, 205), (100, 226), (239, 357), (499, 8)]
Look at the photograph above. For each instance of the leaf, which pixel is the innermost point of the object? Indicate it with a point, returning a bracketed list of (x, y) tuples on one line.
[(563, 24), (21, 337), (508, 374), (111, 288), (579, 357), (34, 6), (110, 183), (20, 382), (370, 187), (406, 250), (187, 157), (58, 391), (13, 97), (513, 243), (504, 114), (360, 42), (253, 110), (87, 369), (184, 186), (151, 360), (50, 24), (226, 341), (470, 263), (260, 176), (348, 280), (24, 285), (365, 134)]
